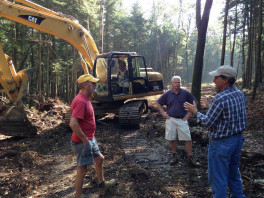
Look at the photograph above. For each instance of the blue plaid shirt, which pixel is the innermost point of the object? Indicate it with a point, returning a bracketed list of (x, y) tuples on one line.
[(227, 114)]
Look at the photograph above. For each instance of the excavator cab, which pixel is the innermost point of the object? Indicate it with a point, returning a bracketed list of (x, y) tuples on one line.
[(127, 78)]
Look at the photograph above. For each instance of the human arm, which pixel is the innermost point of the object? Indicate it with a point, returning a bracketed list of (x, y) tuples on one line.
[(204, 103), (212, 115), (163, 113), (193, 100), (191, 108), (188, 115), (74, 124)]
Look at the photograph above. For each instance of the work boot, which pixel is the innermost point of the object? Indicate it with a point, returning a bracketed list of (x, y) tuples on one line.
[(173, 160), (106, 186), (191, 163)]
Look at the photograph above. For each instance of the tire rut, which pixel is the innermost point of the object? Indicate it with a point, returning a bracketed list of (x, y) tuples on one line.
[(153, 155), (138, 149)]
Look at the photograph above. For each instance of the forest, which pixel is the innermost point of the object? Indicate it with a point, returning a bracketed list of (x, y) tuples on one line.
[(168, 38), (179, 37)]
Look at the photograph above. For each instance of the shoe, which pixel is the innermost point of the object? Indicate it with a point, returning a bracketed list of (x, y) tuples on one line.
[(173, 160), (107, 185), (191, 163)]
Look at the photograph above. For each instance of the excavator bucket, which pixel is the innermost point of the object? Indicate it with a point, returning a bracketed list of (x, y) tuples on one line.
[(14, 122)]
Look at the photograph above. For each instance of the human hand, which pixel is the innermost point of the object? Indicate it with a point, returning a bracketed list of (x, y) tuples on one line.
[(188, 115), (85, 141), (204, 103), (192, 108), (185, 118), (165, 115)]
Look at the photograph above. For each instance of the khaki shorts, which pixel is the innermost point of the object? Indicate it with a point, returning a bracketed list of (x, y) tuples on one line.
[(177, 127)]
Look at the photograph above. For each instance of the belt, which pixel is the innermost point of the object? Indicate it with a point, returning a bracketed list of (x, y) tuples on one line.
[(79, 142), (226, 137), (76, 142), (178, 117)]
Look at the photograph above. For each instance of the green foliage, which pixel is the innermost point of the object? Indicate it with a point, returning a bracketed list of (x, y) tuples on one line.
[(58, 67), (162, 37)]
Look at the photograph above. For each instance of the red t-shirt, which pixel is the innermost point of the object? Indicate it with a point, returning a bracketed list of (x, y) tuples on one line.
[(82, 109)]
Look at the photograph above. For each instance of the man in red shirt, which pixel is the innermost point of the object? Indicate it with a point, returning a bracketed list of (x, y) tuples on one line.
[(83, 141)]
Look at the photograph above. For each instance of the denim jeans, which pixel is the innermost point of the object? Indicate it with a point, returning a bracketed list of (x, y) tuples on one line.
[(85, 154), (223, 166)]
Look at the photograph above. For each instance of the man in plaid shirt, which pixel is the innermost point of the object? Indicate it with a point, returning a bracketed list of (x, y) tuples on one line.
[(226, 119)]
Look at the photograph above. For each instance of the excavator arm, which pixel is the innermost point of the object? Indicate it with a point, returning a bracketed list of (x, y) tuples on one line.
[(12, 83), (13, 119), (57, 24), (63, 26)]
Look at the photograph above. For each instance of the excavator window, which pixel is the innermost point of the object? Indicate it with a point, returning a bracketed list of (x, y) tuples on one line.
[(120, 75), (114, 77), (138, 67), (139, 75), (101, 72)]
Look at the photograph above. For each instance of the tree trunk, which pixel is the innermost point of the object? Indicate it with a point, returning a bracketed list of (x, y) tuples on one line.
[(102, 4), (39, 68), (74, 74), (56, 85), (224, 33), (53, 75), (175, 60), (14, 47), (107, 30), (258, 45), (243, 52), (67, 75), (202, 24), (48, 71), (33, 84), (262, 68), (234, 41), (187, 36), (249, 56)]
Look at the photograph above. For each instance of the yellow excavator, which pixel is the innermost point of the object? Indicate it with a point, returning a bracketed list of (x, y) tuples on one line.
[(124, 77)]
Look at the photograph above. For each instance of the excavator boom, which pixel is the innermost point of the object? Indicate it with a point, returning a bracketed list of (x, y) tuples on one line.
[(13, 120), (57, 24)]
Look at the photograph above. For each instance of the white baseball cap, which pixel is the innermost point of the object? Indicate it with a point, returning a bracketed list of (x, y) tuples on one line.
[(224, 70)]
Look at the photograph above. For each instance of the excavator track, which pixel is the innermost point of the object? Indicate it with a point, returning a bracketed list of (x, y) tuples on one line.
[(130, 113), (14, 122)]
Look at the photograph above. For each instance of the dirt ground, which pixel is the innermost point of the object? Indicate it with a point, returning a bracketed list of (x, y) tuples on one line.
[(44, 166)]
